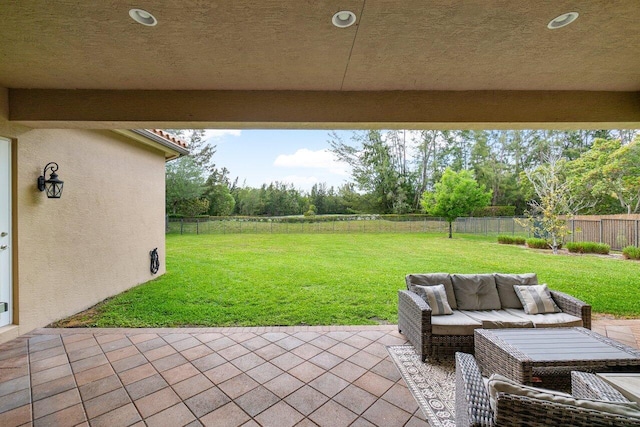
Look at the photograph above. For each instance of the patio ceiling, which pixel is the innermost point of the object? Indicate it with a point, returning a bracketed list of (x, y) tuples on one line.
[(281, 63)]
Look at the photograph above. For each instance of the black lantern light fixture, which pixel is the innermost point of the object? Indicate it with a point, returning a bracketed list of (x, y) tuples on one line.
[(53, 185)]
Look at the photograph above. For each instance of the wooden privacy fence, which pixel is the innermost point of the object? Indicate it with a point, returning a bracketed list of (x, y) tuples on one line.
[(615, 232)]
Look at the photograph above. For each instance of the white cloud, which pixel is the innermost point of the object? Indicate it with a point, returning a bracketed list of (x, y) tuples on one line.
[(305, 158), (219, 133)]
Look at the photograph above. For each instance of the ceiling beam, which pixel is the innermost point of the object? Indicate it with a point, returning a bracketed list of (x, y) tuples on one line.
[(48, 108)]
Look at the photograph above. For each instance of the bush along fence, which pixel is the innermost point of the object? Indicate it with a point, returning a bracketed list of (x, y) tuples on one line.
[(617, 233)]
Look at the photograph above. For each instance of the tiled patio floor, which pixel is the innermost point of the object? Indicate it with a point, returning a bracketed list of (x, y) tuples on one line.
[(271, 376)]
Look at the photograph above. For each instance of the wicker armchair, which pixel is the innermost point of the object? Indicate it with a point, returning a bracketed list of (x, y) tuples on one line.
[(473, 409), (414, 322)]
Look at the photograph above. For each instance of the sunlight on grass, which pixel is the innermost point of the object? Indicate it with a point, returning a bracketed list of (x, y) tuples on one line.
[(346, 279)]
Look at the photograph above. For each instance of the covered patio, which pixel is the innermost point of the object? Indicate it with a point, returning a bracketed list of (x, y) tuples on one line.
[(267, 376), (88, 67)]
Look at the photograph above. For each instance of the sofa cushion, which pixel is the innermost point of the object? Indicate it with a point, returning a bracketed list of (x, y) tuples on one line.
[(436, 297), (499, 384), (475, 291), (498, 319), (505, 283), (536, 299), (432, 279), (455, 324), (548, 320)]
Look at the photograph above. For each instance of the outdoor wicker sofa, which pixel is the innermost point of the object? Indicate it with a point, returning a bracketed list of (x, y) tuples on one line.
[(477, 301), (528, 406)]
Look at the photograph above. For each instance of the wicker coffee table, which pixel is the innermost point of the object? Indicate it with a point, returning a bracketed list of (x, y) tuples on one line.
[(545, 357)]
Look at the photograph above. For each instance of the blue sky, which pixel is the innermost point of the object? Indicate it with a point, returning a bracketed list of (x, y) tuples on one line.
[(299, 157)]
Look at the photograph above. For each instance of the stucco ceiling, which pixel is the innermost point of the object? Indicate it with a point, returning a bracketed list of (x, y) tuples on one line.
[(290, 45)]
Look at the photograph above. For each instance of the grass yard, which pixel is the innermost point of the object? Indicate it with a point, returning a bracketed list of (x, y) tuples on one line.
[(338, 279)]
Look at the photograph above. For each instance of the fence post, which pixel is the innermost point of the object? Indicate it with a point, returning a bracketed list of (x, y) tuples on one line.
[(197, 226), (600, 222), (637, 236), (573, 230)]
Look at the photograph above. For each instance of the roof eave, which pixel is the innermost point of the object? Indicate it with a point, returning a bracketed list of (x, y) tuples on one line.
[(171, 150)]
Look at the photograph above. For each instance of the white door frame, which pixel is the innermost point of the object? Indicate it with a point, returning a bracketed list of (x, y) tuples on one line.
[(6, 278)]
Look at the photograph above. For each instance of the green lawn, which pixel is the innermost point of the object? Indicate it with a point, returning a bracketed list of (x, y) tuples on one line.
[(337, 279)]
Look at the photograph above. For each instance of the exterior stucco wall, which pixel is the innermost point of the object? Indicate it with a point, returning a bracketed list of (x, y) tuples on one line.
[(94, 242)]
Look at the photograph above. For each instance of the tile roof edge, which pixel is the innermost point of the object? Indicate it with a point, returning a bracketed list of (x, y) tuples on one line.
[(169, 137)]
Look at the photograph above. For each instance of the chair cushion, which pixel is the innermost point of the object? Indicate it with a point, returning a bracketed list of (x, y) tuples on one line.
[(475, 291), (498, 319), (505, 283), (536, 299), (499, 384), (548, 320), (432, 279), (436, 297), (455, 324)]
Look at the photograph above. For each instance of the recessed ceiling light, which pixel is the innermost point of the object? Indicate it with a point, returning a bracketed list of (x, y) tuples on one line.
[(143, 17), (344, 19), (562, 20)]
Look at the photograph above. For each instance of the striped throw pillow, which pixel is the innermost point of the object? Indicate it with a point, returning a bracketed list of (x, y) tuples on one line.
[(536, 299), (436, 297)]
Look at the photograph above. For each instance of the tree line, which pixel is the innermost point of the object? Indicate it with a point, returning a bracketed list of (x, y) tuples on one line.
[(393, 170)]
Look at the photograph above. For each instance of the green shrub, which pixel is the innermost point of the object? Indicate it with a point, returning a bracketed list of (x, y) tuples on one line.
[(511, 240), (588, 248), (494, 211), (536, 243), (631, 252)]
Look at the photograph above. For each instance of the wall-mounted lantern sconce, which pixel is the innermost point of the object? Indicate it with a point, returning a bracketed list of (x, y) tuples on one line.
[(53, 185)]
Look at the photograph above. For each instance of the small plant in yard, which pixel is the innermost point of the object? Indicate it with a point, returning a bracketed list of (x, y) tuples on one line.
[(631, 252), (511, 240), (588, 248), (505, 240), (536, 243)]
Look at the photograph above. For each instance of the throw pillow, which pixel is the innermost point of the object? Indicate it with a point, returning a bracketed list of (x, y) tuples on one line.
[(436, 297), (432, 279), (536, 299), (505, 283)]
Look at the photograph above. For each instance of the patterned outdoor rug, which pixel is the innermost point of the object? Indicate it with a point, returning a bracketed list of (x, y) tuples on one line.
[(431, 383)]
